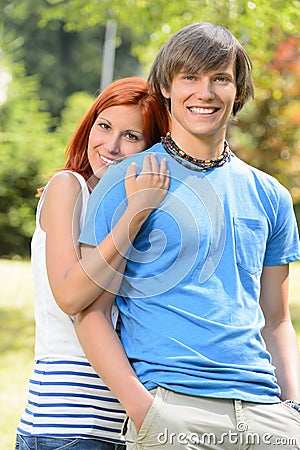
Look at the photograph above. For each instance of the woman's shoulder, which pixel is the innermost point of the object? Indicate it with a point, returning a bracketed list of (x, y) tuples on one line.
[(64, 187), (66, 179), (67, 176)]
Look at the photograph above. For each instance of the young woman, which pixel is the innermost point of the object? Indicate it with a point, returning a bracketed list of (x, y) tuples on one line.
[(69, 406)]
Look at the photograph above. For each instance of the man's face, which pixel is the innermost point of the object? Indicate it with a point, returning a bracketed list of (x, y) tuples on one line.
[(201, 103)]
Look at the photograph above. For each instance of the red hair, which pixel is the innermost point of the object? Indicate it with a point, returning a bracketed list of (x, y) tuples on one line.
[(126, 91)]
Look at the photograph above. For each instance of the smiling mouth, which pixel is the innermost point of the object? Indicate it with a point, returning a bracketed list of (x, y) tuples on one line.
[(197, 110), (109, 161)]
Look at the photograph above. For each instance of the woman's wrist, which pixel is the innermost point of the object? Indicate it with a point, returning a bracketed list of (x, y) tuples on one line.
[(134, 397), (137, 216), (138, 409)]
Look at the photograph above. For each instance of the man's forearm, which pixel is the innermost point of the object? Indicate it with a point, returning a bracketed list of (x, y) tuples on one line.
[(281, 342)]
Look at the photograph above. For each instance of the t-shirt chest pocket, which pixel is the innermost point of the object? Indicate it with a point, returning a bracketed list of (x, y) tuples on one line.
[(250, 243)]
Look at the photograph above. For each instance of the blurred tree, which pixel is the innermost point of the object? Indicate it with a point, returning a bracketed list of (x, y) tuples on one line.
[(29, 154), (65, 61), (50, 49), (267, 133), (25, 145), (268, 136), (75, 107), (153, 21)]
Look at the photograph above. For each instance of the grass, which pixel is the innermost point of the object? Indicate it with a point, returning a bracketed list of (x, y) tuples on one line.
[(16, 345), (17, 340)]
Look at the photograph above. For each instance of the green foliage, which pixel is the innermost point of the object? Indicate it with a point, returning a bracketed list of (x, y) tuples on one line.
[(267, 135), (24, 146), (64, 60), (75, 108), (28, 151), (51, 49), (152, 21)]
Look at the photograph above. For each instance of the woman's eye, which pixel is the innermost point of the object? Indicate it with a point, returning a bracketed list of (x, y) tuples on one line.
[(104, 125), (131, 136)]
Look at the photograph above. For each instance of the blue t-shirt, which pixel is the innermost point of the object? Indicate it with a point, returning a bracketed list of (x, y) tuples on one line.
[(189, 301)]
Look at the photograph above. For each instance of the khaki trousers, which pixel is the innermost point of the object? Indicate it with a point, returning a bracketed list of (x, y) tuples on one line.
[(178, 421)]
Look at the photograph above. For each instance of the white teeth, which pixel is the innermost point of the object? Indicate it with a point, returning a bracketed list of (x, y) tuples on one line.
[(202, 110), (108, 161)]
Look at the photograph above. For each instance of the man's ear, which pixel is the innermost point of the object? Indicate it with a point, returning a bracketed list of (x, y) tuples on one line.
[(164, 92)]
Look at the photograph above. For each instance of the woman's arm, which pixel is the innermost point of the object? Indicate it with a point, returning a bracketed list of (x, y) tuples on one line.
[(105, 352), (76, 281), (279, 333)]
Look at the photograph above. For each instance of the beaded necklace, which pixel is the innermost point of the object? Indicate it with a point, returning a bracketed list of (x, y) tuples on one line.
[(201, 164)]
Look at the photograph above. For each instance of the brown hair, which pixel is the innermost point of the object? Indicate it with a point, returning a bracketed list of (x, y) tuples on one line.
[(199, 48)]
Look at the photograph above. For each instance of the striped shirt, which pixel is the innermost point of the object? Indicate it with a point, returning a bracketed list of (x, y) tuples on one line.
[(68, 399)]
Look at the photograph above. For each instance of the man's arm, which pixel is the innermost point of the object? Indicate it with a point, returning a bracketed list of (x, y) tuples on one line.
[(279, 333)]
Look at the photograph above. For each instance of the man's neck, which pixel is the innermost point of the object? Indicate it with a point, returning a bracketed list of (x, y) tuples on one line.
[(200, 147)]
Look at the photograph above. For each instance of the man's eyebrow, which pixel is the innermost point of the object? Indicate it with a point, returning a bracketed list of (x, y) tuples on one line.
[(201, 72), (223, 72)]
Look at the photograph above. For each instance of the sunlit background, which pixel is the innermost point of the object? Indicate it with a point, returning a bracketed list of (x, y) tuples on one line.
[(55, 56)]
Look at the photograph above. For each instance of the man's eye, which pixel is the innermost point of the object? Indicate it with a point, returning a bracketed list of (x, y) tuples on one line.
[(189, 77), (221, 79)]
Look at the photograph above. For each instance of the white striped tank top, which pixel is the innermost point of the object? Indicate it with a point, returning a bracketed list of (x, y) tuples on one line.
[(66, 396)]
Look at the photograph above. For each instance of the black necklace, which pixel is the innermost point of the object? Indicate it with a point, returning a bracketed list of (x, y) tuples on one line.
[(201, 164)]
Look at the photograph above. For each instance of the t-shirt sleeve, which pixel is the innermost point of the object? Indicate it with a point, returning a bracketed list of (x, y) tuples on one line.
[(106, 204), (283, 244)]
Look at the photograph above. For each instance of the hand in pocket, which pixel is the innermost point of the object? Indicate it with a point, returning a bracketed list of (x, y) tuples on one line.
[(139, 416)]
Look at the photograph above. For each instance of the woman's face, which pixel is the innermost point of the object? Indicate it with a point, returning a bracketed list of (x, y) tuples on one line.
[(116, 134)]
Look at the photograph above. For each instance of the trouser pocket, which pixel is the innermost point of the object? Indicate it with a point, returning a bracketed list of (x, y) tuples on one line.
[(148, 430)]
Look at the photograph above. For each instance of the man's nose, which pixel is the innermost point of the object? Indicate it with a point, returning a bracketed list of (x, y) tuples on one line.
[(205, 90)]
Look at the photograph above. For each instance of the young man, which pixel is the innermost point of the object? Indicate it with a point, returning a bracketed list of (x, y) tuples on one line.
[(204, 302)]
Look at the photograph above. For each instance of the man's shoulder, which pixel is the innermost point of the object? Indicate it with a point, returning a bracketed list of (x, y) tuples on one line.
[(139, 157), (255, 171), (263, 180)]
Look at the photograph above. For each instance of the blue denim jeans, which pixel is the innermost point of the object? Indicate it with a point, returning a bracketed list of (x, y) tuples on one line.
[(49, 443)]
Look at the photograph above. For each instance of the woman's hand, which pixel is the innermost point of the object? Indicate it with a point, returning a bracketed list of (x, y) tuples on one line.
[(147, 190), (139, 409)]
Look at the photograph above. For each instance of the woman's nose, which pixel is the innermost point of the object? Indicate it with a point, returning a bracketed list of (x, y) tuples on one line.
[(112, 145)]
